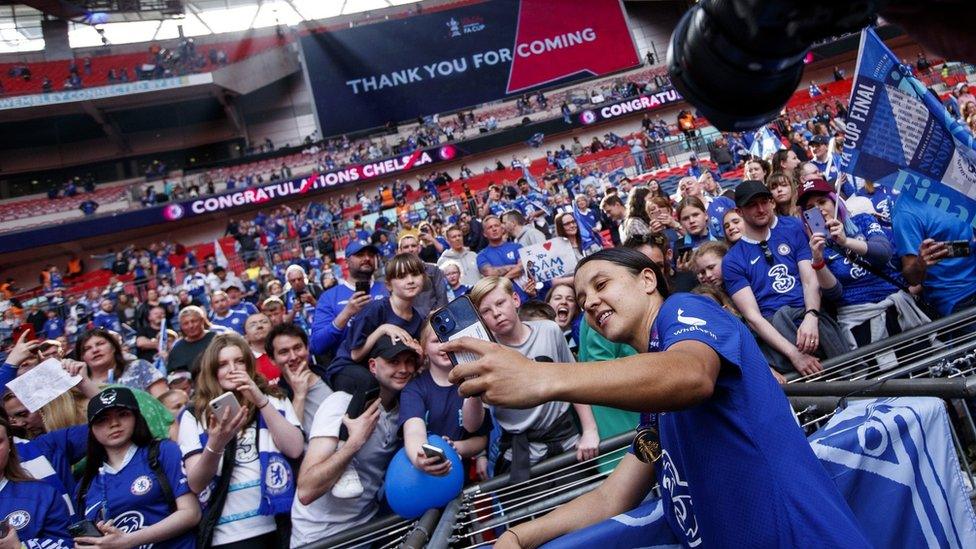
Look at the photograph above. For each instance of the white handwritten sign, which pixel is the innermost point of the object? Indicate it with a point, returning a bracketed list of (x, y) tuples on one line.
[(548, 260), (42, 384)]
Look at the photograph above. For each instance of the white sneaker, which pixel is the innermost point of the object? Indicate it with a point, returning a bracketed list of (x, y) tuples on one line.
[(348, 486)]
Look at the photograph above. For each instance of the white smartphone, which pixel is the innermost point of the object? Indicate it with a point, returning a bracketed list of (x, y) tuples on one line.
[(432, 451), (223, 402)]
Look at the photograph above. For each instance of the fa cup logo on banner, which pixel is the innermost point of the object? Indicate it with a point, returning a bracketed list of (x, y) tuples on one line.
[(454, 27)]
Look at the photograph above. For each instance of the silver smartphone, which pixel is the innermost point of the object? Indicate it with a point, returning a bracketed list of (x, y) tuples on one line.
[(432, 451), (223, 402)]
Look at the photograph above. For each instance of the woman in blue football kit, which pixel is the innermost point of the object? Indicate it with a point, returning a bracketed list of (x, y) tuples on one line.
[(853, 260), (133, 487), (35, 513), (734, 467)]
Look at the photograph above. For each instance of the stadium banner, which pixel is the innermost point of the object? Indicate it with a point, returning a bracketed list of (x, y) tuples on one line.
[(281, 190), (899, 133), (641, 103), (87, 227), (402, 69), (102, 92), (892, 459)]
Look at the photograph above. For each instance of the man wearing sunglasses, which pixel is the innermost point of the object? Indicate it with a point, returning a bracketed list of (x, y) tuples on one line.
[(771, 280)]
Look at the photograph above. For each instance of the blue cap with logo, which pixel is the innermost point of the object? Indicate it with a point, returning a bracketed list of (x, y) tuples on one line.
[(356, 246)]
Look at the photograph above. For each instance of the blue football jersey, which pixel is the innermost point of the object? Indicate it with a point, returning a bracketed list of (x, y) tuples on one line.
[(736, 470), (37, 512), (773, 274), (233, 321), (859, 284), (132, 499)]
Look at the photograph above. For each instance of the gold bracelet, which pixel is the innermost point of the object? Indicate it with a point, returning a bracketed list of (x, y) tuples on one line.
[(517, 538)]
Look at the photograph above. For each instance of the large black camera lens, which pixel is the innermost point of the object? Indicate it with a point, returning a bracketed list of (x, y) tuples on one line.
[(733, 89), (739, 61)]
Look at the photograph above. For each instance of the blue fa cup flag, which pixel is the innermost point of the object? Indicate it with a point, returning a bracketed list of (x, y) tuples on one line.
[(899, 134), (765, 143)]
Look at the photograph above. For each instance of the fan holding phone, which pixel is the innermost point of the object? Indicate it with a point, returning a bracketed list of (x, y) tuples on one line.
[(239, 431), (851, 256), (430, 404)]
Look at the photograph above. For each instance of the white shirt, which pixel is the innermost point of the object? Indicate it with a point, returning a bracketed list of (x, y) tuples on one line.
[(239, 519), (329, 515)]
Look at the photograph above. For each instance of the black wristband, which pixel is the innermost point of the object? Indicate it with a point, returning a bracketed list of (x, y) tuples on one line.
[(815, 312)]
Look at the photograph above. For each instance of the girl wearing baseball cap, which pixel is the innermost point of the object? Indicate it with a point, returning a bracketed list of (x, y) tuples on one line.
[(133, 489)]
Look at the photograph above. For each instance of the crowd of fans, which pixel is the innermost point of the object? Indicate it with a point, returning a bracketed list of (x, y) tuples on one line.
[(321, 332), (815, 262)]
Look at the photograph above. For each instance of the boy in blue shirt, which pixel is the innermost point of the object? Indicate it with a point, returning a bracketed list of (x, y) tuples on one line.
[(222, 315), (53, 326), (500, 258), (106, 318)]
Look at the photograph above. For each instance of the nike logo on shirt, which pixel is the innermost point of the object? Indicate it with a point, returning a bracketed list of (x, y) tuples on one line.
[(92, 508), (753, 262)]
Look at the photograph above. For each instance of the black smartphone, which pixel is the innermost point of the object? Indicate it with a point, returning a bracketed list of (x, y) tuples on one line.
[(360, 401), (362, 286), (684, 254), (959, 248), (84, 529), (459, 318)]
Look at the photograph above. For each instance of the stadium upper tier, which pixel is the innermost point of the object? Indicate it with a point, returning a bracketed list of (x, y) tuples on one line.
[(94, 70)]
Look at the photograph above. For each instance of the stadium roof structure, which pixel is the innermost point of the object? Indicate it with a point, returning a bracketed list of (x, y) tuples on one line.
[(20, 23)]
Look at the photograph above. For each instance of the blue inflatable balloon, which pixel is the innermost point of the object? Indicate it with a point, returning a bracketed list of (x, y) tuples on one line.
[(410, 491)]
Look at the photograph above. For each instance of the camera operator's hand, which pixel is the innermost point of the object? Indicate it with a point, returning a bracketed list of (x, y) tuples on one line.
[(361, 428), (836, 229)]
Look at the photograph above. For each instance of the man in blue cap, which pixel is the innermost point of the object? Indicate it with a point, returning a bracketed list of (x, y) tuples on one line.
[(340, 303)]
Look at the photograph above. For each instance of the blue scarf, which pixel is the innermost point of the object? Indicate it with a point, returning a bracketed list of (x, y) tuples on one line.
[(277, 477)]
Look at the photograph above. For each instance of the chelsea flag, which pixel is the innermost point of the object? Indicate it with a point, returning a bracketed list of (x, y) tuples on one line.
[(899, 134)]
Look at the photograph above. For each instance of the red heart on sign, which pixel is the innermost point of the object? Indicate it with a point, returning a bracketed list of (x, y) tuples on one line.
[(547, 245)]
